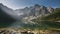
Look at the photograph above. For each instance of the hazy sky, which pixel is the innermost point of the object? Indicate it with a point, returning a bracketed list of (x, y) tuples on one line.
[(15, 4)]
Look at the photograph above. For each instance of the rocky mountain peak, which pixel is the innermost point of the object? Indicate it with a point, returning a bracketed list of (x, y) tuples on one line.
[(35, 10), (50, 9), (1, 5), (37, 5)]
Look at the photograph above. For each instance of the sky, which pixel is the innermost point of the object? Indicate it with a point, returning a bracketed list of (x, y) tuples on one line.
[(16, 4)]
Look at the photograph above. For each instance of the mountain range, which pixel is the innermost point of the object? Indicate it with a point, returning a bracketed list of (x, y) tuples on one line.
[(7, 14), (27, 11), (35, 10)]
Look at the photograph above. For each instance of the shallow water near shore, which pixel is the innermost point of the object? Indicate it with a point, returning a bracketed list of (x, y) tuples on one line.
[(44, 27)]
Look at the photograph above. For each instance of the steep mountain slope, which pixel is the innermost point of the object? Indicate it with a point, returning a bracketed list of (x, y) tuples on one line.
[(49, 21), (55, 16), (9, 11), (35, 10), (5, 19)]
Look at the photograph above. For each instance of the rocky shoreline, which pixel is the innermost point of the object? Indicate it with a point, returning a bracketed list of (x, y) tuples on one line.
[(17, 31)]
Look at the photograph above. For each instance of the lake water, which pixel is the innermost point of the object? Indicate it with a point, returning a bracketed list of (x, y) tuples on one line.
[(42, 24)]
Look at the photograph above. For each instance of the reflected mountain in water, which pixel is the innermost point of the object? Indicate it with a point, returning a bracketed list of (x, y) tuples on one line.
[(14, 18)]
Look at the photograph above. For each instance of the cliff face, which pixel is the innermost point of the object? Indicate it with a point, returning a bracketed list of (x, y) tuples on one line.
[(7, 15), (5, 18), (35, 10), (9, 11)]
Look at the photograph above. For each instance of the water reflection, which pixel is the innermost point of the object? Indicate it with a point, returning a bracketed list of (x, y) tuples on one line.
[(42, 27)]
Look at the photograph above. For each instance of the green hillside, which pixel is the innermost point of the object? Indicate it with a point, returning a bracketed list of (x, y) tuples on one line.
[(49, 20), (55, 16)]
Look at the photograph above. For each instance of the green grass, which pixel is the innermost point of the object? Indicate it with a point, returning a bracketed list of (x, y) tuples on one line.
[(42, 25), (49, 20)]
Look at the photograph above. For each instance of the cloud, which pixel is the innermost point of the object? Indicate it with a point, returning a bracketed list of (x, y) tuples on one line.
[(13, 4)]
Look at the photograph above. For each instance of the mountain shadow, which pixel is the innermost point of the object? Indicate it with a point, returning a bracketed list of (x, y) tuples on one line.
[(5, 19)]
